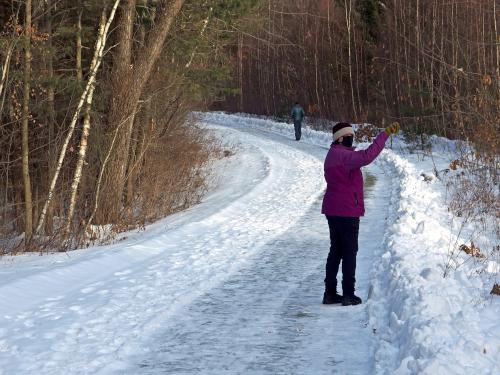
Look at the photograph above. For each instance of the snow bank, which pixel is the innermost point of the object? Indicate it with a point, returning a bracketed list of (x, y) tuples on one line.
[(428, 324)]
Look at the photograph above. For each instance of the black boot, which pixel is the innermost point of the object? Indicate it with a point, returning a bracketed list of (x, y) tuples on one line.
[(331, 298), (351, 300)]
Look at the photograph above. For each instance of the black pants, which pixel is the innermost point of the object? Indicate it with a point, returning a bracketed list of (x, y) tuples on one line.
[(343, 247), (297, 124)]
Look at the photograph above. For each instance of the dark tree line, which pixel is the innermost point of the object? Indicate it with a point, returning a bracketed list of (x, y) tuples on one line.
[(433, 64)]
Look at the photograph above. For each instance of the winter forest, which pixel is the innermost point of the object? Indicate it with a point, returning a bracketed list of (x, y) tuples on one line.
[(147, 141), (94, 94)]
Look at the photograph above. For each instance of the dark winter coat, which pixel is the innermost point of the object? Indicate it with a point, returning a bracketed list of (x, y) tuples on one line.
[(344, 192), (297, 113)]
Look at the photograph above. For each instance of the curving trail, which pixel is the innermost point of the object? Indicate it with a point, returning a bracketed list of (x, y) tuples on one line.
[(232, 286)]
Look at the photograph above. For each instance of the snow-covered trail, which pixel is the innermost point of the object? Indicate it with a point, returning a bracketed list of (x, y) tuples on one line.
[(231, 286), (267, 318)]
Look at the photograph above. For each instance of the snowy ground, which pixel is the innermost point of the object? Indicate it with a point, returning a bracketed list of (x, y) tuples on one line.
[(234, 285)]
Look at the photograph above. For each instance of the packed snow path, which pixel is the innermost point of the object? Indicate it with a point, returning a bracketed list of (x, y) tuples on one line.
[(231, 286)]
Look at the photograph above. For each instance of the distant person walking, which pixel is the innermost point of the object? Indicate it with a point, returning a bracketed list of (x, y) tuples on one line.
[(297, 115), (343, 205)]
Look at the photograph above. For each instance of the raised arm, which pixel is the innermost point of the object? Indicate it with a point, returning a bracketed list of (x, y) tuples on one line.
[(358, 159)]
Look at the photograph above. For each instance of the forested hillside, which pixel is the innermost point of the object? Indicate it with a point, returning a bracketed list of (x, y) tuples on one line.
[(94, 94), (433, 64)]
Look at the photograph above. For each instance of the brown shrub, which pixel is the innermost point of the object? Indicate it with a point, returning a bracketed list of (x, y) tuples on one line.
[(173, 175), (455, 164), (366, 132), (472, 250)]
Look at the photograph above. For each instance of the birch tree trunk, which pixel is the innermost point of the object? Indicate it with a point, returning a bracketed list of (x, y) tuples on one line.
[(28, 204), (96, 62), (5, 75), (202, 32), (52, 117), (79, 70), (86, 121)]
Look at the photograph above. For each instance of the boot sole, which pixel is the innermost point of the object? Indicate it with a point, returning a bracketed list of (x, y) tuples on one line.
[(331, 303)]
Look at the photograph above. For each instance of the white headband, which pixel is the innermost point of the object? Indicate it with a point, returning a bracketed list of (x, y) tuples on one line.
[(341, 132)]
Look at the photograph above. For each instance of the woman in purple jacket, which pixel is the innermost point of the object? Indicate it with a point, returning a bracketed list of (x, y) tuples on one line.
[(343, 205)]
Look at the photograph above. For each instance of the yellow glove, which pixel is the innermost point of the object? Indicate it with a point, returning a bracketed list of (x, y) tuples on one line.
[(392, 129)]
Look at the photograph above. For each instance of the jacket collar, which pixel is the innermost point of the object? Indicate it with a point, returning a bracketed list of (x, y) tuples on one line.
[(341, 146)]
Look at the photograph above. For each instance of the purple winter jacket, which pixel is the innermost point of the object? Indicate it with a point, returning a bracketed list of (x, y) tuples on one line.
[(344, 191)]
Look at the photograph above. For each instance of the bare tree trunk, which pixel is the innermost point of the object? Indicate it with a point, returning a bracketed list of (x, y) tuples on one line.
[(52, 118), (356, 62), (497, 45), (124, 107), (28, 204), (123, 56), (86, 122), (146, 109), (316, 68), (79, 70), (96, 62), (5, 75), (418, 55), (433, 47), (202, 32), (137, 150), (240, 69), (101, 176), (5, 67), (406, 58), (8, 55), (133, 156), (122, 62), (348, 10)]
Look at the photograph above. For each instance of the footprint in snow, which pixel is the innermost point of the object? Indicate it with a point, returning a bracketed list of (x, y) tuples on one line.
[(50, 335), (57, 298), (420, 228), (87, 290), (121, 273), (48, 306), (77, 309)]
